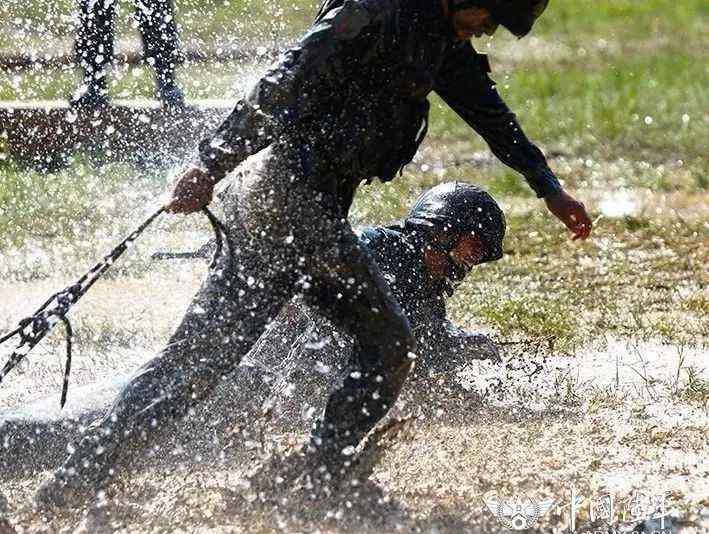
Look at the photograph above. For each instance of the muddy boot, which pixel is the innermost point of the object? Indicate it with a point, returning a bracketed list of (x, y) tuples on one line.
[(328, 459), (308, 473), (327, 467), (97, 519)]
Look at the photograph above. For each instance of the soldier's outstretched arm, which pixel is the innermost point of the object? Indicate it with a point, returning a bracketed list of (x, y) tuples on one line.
[(289, 89), (444, 340), (465, 86)]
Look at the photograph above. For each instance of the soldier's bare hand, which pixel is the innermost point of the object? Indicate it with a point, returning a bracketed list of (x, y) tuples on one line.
[(571, 212), (192, 191)]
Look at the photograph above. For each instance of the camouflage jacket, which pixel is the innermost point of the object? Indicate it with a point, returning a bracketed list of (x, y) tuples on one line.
[(350, 98), (301, 347)]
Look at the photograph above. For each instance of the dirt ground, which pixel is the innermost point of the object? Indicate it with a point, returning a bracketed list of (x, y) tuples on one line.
[(611, 419), (607, 400)]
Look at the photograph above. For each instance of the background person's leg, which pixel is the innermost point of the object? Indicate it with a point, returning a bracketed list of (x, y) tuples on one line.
[(156, 20), (94, 50)]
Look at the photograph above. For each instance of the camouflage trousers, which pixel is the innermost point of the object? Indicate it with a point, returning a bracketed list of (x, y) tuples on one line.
[(289, 239)]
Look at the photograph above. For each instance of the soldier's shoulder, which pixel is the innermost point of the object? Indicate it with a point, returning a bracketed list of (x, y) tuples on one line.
[(379, 234), (377, 9)]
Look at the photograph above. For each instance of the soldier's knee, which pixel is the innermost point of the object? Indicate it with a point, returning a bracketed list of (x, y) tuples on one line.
[(401, 338)]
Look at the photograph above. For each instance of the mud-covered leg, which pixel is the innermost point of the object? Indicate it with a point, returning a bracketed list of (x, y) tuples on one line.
[(226, 317), (355, 296)]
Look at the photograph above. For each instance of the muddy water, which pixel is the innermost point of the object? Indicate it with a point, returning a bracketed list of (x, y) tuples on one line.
[(612, 417), (531, 425)]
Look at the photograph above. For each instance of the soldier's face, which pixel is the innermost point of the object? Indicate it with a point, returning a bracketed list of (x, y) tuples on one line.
[(468, 251), (473, 22)]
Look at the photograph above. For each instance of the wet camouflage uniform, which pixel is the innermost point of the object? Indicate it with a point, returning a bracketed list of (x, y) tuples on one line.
[(298, 360), (347, 103), (156, 22), (302, 355)]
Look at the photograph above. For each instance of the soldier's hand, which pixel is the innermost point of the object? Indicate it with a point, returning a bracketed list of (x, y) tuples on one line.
[(192, 191), (571, 212)]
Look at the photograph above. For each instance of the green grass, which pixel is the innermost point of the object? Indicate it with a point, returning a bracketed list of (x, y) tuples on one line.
[(582, 86), (34, 205), (584, 17), (80, 200), (618, 112)]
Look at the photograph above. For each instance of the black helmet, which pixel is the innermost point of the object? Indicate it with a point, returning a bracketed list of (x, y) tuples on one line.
[(459, 208), (518, 16)]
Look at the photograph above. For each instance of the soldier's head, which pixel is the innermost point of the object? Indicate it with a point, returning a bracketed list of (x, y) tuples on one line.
[(473, 18), (459, 225)]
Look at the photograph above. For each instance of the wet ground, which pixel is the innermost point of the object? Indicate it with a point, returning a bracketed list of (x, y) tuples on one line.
[(608, 402), (609, 420)]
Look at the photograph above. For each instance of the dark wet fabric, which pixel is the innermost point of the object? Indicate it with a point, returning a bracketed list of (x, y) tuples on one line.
[(456, 208), (352, 93), (156, 22), (291, 240)]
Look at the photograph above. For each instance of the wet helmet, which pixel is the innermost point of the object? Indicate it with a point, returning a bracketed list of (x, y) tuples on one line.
[(456, 208), (518, 16)]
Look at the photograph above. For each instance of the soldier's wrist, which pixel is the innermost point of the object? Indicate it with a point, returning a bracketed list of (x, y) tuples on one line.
[(545, 183), (212, 173)]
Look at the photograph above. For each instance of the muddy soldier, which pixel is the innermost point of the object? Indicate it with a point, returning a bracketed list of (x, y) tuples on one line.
[(450, 229), (94, 49), (347, 103), (301, 357)]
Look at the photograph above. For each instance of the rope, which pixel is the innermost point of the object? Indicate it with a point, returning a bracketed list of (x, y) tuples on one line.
[(31, 330)]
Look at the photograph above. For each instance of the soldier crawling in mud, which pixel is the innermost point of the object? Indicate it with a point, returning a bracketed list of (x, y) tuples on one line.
[(450, 229), (346, 104), (300, 357)]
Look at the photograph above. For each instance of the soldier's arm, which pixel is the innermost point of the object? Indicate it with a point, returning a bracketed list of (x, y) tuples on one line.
[(444, 339), (284, 93), (465, 86)]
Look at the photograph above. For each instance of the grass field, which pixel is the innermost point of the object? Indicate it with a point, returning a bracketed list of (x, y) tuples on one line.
[(614, 91)]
